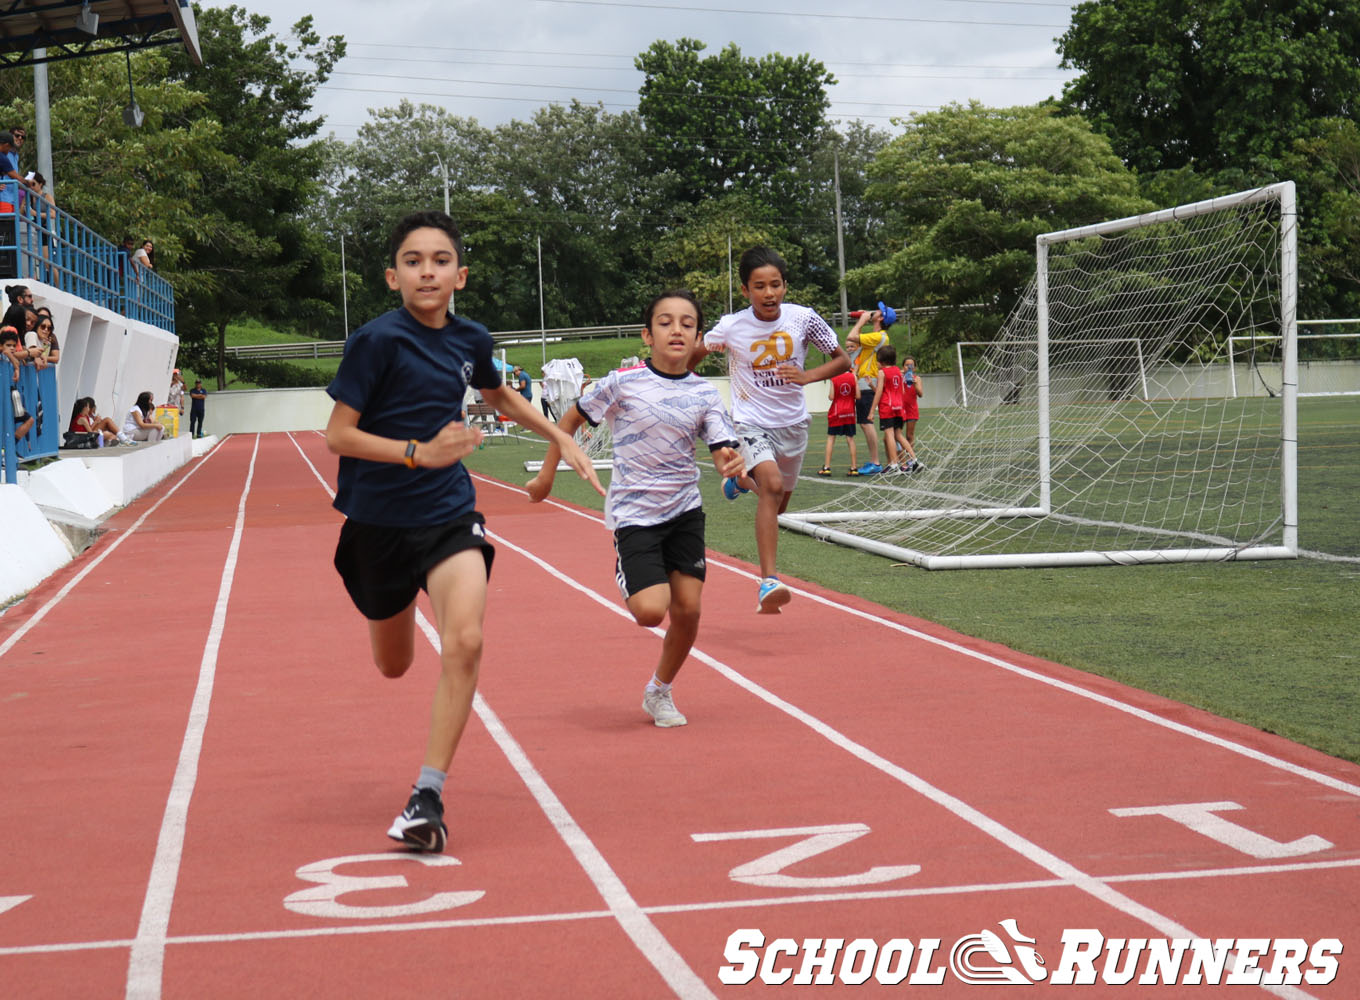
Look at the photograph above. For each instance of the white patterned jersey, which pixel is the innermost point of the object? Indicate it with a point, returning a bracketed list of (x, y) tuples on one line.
[(655, 419), (756, 348)]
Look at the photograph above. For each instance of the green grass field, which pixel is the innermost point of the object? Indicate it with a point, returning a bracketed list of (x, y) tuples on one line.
[(1271, 644)]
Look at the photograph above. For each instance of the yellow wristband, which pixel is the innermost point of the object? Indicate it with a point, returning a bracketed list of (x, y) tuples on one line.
[(411, 453)]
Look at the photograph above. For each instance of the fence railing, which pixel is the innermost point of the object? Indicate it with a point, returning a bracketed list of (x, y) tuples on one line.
[(41, 242), (37, 392)]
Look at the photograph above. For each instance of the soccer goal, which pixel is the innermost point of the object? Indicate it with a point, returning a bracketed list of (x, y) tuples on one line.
[(1328, 363), (1101, 426)]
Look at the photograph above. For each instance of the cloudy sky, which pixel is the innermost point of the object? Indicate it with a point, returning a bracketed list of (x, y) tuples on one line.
[(495, 60)]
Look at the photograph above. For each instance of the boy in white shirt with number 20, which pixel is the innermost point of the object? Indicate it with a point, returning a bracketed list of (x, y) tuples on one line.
[(766, 345)]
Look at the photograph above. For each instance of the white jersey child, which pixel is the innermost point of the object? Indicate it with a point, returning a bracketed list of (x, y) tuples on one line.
[(655, 418), (770, 412)]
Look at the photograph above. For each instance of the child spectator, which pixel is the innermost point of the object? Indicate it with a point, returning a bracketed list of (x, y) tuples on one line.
[(912, 391), (655, 413), (840, 419), (410, 507), (84, 420), (138, 425), (888, 402), (17, 357), (865, 344), (766, 344)]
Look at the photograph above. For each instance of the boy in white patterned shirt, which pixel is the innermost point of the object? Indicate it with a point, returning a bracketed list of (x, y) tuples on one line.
[(655, 413), (766, 344)]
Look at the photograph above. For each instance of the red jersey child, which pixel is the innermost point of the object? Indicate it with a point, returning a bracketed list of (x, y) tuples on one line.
[(891, 403), (840, 419)]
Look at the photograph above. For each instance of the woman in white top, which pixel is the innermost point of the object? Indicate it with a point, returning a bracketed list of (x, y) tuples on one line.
[(138, 425), (142, 255)]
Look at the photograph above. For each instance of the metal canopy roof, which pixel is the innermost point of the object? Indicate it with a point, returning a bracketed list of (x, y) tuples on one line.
[(53, 25)]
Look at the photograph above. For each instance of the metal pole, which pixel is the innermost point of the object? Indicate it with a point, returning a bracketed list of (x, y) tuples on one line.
[(840, 237), (443, 170), (344, 288), (542, 327), (729, 273), (42, 120)]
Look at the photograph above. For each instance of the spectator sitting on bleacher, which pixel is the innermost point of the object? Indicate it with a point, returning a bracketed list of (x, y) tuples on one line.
[(85, 420), (9, 346), (138, 424)]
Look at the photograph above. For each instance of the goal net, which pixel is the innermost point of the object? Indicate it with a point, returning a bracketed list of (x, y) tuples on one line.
[(1328, 362), (1101, 426)]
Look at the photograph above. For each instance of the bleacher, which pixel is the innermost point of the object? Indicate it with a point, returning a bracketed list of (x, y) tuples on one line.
[(116, 326), (114, 319)]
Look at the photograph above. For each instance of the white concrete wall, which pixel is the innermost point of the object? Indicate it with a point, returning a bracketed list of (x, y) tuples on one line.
[(30, 548), (105, 354)]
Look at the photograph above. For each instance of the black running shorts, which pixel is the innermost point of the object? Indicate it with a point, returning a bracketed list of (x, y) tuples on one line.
[(385, 567), (648, 554)]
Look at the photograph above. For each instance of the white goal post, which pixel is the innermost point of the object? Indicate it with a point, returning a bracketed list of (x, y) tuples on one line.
[(1328, 363), (1102, 425)]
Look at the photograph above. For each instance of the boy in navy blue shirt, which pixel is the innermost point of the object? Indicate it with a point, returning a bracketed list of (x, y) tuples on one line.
[(410, 508)]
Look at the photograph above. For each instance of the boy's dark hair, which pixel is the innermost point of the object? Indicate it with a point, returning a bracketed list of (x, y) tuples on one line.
[(887, 355), (424, 220), (675, 293), (761, 257), (7, 334)]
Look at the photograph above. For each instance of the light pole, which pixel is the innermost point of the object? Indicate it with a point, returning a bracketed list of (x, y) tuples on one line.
[(344, 288), (443, 170)]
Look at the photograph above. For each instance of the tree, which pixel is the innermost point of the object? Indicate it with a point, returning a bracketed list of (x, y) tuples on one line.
[(730, 122), (248, 250), (117, 180), (965, 191), (1326, 168), (1222, 84)]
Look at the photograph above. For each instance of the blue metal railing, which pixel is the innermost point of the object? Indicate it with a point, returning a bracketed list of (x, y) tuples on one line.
[(41, 242), (38, 394)]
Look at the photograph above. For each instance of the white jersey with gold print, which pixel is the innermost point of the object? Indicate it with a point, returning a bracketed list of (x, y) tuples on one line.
[(755, 349)]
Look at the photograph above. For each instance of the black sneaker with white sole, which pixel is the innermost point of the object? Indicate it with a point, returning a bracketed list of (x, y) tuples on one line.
[(421, 823)]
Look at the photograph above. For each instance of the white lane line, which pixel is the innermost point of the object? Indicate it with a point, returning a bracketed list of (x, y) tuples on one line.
[(1066, 686), (147, 960), (1032, 852), (622, 907), (808, 899), (60, 595)]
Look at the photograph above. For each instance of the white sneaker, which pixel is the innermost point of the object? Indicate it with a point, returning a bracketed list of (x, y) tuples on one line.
[(661, 707)]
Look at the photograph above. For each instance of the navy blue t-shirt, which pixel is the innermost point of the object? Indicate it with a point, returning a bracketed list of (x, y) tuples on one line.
[(407, 381)]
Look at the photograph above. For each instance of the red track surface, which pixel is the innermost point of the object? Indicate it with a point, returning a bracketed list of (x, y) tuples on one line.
[(590, 854)]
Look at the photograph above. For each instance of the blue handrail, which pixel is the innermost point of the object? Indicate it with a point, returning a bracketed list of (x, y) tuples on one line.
[(38, 393), (41, 242)]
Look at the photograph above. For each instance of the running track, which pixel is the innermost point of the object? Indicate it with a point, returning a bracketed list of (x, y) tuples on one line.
[(200, 763)]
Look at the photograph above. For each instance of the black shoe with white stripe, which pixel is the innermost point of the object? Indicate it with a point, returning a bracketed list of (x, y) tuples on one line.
[(421, 823)]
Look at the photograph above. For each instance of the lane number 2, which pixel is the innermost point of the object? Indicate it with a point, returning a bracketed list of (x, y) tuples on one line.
[(768, 869)]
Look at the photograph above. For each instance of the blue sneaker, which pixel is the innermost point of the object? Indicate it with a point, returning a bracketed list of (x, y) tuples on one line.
[(773, 596), (870, 469), (731, 490)]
